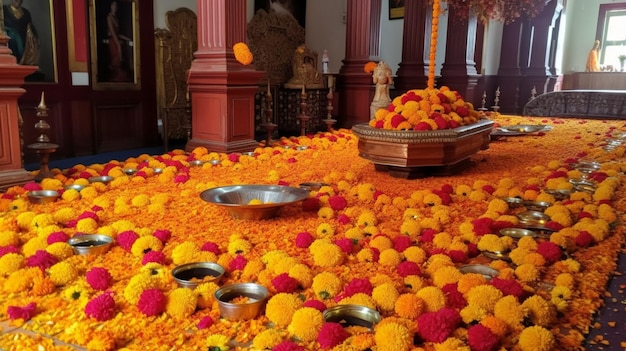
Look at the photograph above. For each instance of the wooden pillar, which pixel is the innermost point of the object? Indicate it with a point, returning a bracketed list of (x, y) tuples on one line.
[(509, 72), (222, 90), (459, 69), (413, 70), (12, 75), (362, 45)]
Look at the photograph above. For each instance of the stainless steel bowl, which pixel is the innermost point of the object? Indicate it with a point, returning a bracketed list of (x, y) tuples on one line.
[(517, 233), (481, 269), (312, 186), (191, 275), (90, 244), (497, 255), (513, 202), (559, 194), (196, 163), (100, 179), (533, 218), (537, 205), (43, 196), (352, 315), (76, 187), (584, 185), (130, 171), (526, 128), (237, 198), (255, 294)]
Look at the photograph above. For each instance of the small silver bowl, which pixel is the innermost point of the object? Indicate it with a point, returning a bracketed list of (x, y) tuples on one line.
[(43, 196), (130, 171), (255, 294), (249, 153), (533, 218), (352, 315), (157, 170), (312, 186), (196, 163), (302, 147), (481, 269), (587, 166), (90, 244), (517, 233), (496, 255), (100, 179), (526, 128), (584, 185), (537, 205), (215, 162), (76, 187), (514, 202), (191, 275), (559, 194)]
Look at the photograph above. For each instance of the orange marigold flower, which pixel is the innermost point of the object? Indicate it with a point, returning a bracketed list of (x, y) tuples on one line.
[(369, 67), (306, 323), (242, 53), (181, 302), (536, 338), (434, 298), (409, 306), (281, 307), (393, 336)]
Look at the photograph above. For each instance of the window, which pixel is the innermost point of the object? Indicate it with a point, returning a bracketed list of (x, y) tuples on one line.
[(612, 31)]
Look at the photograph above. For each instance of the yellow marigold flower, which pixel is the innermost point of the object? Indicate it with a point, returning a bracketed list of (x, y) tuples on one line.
[(285, 264), (478, 195), (184, 252), (484, 296), (217, 342), (326, 285), (11, 262), (360, 299), (434, 298), (70, 195), (62, 273), (371, 230), (366, 219), (468, 281), (354, 234), (138, 284), (415, 254), (181, 303), (60, 250), (540, 311), (385, 296), (140, 200), (410, 227), (281, 307), (9, 237), (390, 257), (87, 225), (510, 311), (446, 275), (76, 292), (145, 244), (409, 306), (25, 219), (329, 255), (491, 242), (326, 212), (471, 313), (267, 339), (325, 230), (536, 338), (239, 246), (206, 294), (452, 344), (51, 184), (393, 337), (303, 274), (437, 261), (306, 324), (414, 283), (18, 205), (442, 240), (496, 325), (381, 243), (565, 280), (33, 245), (430, 223), (527, 272)]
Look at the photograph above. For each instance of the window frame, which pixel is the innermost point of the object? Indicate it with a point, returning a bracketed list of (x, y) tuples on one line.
[(603, 16)]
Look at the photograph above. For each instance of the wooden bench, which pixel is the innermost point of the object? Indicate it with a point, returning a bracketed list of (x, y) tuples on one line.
[(608, 104)]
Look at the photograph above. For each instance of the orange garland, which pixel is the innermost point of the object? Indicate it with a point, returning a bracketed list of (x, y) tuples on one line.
[(433, 44)]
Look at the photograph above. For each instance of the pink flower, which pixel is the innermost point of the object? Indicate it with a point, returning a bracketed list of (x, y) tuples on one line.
[(437, 326), (25, 313), (152, 302), (288, 345), (343, 219), (42, 259), (482, 226), (317, 304), (311, 204), (153, 256), (304, 240), (233, 157), (88, 214), (550, 251), (162, 234), (454, 298), (99, 278), (32, 186), (427, 235), (57, 237), (583, 239), (358, 285), (457, 256), (344, 244), (8, 249), (283, 183), (126, 239), (555, 226), (337, 202), (205, 322), (238, 264), (101, 308), (181, 178), (331, 335), (407, 268), (401, 242), (481, 338), (211, 247), (508, 286), (283, 283)]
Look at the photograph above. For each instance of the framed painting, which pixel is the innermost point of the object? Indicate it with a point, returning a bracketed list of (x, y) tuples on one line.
[(77, 36), (114, 44), (396, 9), (30, 25)]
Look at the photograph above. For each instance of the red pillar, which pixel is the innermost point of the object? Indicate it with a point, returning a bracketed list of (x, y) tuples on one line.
[(413, 70), (509, 72), (354, 85), (11, 78), (222, 90)]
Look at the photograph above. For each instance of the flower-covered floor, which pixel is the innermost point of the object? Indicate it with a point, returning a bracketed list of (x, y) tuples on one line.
[(390, 244)]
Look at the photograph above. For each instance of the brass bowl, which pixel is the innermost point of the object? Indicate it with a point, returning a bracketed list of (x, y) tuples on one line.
[(517, 233), (191, 275), (43, 196), (481, 269), (237, 198), (352, 315), (256, 295), (496, 255), (90, 244), (533, 218), (100, 179)]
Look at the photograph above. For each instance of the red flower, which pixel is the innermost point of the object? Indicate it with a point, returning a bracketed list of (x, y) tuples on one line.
[(356, 286), (584, 214), (162, 234), (99, 278), (422, 126), (428, 235), (438, 326), (379, 124), (283, 283), (555, 226), (344, 244), (462, 111), (233, 157), (205, 322), (441, 122), (584, 239), (337, 202), (508, 286), (181, 178), (211, 247), (457, 256), (401, 242), (472, 250), (396, 120), (88, 214), (407, 268), (57, 237), (317, 304), (8, 249), (288, 345), (481, 338), (454, 298), (331, 335), (42, 259), (489, 189), (25, 313), (152, 302), (238, 264), (101, 308), (304, 240), (153, 256), (343, 219), (482, 226), (126, 239), (311, 204), (32, 186)]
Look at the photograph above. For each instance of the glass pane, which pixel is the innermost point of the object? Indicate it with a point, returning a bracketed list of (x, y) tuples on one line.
[(611, 53), (616, 29)]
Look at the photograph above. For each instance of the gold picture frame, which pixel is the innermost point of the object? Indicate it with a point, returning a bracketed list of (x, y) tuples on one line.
[(114, 66), (396, 9), (37, 46)]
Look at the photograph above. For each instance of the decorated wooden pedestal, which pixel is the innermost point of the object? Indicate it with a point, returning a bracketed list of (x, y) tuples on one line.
[(417, 154)]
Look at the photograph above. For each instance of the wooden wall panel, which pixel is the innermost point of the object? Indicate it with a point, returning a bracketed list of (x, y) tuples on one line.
[(117, 127)]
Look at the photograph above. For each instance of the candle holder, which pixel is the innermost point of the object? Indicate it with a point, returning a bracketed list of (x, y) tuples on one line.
[(303, 117), (329, 120), (269, 113), (484, 101), (496, 101), (43, 147)]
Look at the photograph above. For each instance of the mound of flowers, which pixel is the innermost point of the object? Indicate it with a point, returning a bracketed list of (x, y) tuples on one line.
[(426, 109)]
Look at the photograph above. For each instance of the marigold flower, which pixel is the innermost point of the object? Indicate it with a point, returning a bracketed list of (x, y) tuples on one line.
[(536, 338), (99, 278), (217, 342), (433, 297), (267, 339), (11, 262), (540, 312), (62, 273), (327, 285), (152, 302), (101, 308), (306, 323), (481, 338), (437, 326), (281, 307), (181, 303), (145, 244), (409, 306)]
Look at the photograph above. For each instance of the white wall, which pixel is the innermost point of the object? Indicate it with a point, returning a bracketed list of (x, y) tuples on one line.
[(162, 6)]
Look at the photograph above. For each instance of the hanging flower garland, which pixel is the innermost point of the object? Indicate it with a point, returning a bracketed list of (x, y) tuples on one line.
[(434, 32)]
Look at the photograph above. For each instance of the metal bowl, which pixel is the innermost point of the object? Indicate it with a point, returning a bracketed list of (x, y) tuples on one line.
[(587, 166), (533, 218), (196, 163), (517, 233), (496, 255), (312, 186), (237, 198), (76, 187), (43, 196), (584, 185), (481, 269), (90, 244), (514, 201), (559, 194), (193, 274), (130, 171), (537, 205), (101, 179), (352, 315), (255, 294), (215, 162), (526, 128)]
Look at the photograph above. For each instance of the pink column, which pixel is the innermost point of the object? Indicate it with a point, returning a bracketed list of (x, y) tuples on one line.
[(222, 90), (354, 85)]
